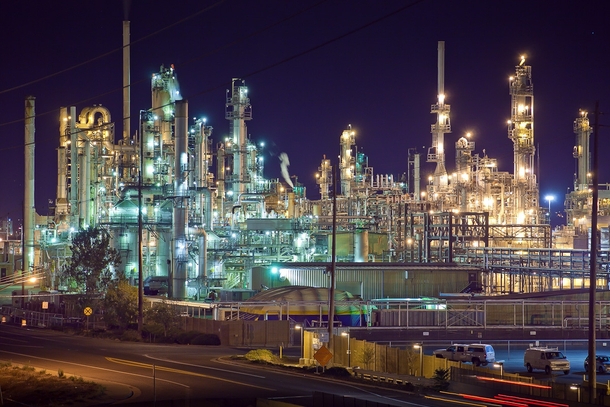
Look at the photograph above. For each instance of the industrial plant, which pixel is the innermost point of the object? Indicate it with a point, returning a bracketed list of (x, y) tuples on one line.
[(208, 219)]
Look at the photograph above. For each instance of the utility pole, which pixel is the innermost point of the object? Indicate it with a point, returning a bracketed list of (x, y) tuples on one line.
[(140, 261), (22, 268), (593, 260), (331, 290)]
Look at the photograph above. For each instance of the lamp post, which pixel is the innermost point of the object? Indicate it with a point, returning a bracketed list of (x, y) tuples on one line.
[(349, 352), (501, 366), (421, 357), (302, 329), (549, 198), (577, 388)]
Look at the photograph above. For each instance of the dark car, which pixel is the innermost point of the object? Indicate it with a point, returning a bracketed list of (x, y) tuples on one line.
[(602, 364)]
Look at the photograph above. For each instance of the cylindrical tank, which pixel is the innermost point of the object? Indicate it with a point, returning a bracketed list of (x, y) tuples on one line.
[(290, 212), (361, 245)]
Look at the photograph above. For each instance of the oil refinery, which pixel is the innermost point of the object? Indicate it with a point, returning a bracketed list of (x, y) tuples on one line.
[(211, 220)]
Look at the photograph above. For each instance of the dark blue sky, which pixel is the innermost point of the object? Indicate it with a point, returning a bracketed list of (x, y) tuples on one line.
[(312, 68)]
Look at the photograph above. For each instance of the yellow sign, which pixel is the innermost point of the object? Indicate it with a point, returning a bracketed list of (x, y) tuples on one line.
[(88, 311), (323, 355)]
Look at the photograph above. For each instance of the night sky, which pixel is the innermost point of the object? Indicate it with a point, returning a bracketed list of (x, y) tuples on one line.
[(312, 69)]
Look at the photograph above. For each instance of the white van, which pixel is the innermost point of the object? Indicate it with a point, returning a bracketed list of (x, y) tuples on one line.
[(547, 359), (476, 353)]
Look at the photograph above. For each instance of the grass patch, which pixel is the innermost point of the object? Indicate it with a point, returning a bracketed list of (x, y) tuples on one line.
[(38, 388), (262, 356)]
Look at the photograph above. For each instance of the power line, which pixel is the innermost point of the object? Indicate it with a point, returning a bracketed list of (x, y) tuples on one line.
[(226, 83), (73, 67), (98, 96)]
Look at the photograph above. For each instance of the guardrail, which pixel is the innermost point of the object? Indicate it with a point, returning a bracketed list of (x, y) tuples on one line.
[(392, 378)]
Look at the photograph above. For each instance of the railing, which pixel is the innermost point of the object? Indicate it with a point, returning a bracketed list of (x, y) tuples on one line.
[(540, 259)]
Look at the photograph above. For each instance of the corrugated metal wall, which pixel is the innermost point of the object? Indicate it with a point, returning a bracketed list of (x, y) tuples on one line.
[(371, 283)]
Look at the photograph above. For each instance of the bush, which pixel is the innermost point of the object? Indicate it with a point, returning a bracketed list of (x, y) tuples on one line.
[(261, 356), (131, 335), (441, 379), (337, 371), (184, 338), (206, 339)]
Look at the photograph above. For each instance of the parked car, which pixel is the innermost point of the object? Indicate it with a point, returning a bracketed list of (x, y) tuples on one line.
[(456, 352), (476, 353), (547, 359), (156, 285), (602, 364)]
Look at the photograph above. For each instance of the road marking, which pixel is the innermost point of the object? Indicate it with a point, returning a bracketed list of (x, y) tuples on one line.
[(92, 367), (205, 367), (12, 339), (185, 372)]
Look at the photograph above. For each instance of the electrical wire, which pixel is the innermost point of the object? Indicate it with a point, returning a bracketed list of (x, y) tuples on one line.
[(226, 83)]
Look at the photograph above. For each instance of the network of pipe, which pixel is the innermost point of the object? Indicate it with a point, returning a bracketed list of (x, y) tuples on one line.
[(206, 216)]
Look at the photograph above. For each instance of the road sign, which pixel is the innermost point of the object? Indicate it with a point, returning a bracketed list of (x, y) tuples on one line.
[(88, 311), (323, 356)]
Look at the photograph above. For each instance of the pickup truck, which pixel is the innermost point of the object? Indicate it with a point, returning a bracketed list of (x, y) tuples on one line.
[(476, 353), (456, 352)]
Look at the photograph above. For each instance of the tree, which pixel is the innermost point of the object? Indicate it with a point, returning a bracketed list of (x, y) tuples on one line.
[(121, 303), (93, 261), (441, 379), (161, 318)]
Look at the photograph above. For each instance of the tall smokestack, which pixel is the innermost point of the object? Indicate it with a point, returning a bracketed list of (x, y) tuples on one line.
[(29, 209), (441, 67), (126, 82)]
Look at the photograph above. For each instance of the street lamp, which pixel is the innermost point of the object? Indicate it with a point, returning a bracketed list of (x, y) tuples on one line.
[(577, 388), (549, 198), (501, 366), (302, 329), (421, 357), (349, 352)]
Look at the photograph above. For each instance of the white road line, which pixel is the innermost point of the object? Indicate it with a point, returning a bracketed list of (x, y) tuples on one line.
[(93, 367), (204, 367)]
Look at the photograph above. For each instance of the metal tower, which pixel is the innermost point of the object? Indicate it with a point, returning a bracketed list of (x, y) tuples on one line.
[(583, 130), (521, 132), (238, 110), (436, 153)]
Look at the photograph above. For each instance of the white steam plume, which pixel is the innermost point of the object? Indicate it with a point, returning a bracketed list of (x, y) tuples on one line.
[(284, 163)]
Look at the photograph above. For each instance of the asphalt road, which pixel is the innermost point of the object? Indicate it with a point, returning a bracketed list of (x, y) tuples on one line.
[(511, 355), (153, 372)]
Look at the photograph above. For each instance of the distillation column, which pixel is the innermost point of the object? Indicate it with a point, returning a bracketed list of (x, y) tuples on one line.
[(436, 153), (203, 181), (159, 152), (61, 200), (414, 173), (238, 110), (346, 161), (577, 205), (521, 132), (74, 171), (181, 197), (583, 131), (324, 178), (165, 92), (463, 162)]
